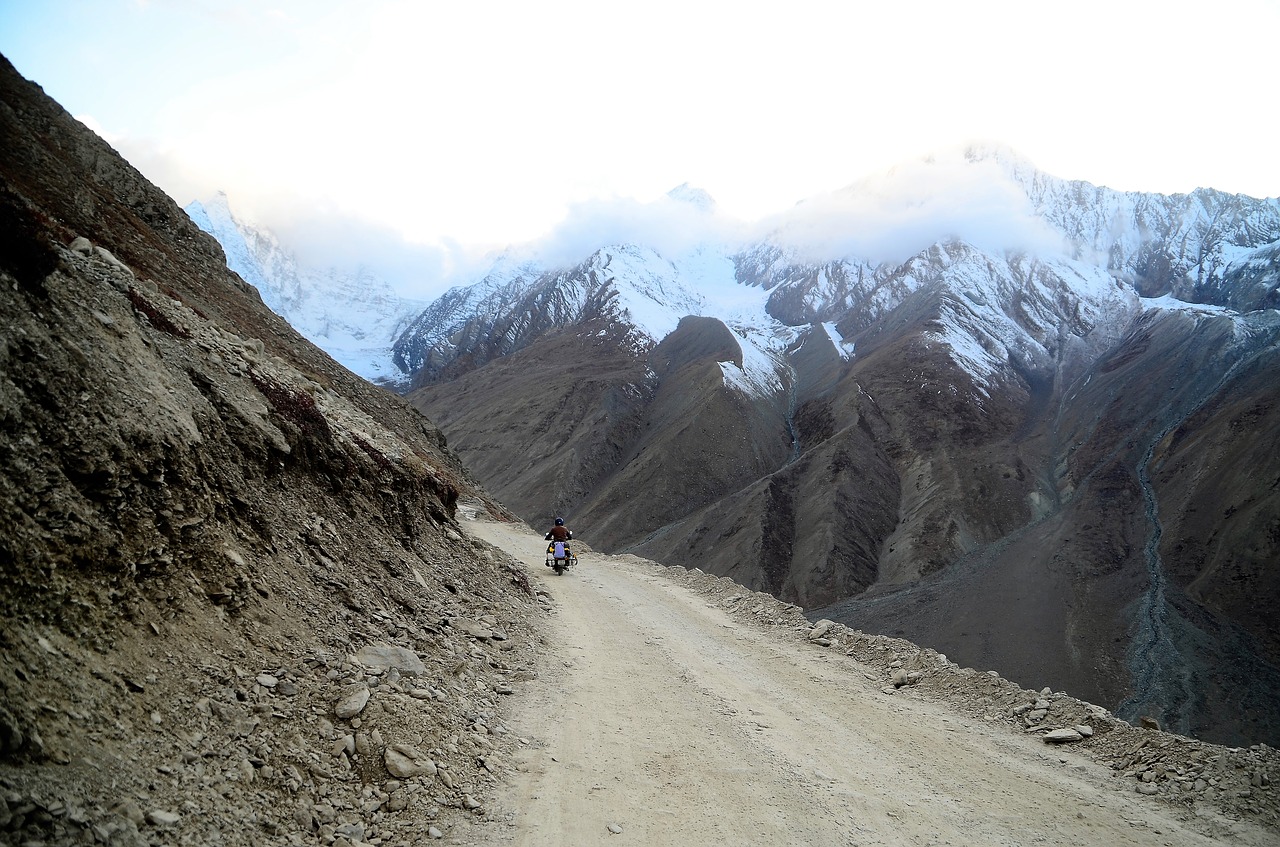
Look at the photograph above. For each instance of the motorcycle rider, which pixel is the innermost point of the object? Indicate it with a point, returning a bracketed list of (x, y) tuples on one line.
[(559, 532)]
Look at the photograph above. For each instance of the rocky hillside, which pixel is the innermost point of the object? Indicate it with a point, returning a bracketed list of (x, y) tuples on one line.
[(1043, 448), (236, 605)]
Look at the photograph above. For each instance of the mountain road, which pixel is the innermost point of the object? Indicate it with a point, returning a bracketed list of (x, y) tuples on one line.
[(656, 718)]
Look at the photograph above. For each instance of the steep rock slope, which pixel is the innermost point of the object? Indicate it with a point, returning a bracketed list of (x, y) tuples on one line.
[(549, 422), (236, 605), (708, 429), (989, 420)]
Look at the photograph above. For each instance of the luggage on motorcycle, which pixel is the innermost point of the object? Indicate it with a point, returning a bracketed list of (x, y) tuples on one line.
[(559, 557)]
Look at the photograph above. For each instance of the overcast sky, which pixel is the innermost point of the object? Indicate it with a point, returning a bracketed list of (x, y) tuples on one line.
[(469, 124)]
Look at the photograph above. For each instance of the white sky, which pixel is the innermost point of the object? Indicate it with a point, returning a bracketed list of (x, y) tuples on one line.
[(472, 124)]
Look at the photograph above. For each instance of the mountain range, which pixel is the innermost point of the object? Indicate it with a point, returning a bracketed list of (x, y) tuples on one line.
[(1025, 420)]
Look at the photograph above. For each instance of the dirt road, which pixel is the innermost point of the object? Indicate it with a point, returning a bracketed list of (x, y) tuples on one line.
[(657, 719)]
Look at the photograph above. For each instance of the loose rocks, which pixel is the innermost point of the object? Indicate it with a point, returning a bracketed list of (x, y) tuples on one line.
[(820, 630)]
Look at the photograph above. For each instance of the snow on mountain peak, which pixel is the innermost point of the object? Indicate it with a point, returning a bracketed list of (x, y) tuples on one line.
[(653, 293), (352, 315), (218, 207), (979, 218), (696, 197), (1003, 155), (246, 248)]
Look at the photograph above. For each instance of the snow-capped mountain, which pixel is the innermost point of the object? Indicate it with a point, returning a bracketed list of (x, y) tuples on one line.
[(352, 315), (1027, 420), (1110, 248), (626, 285)]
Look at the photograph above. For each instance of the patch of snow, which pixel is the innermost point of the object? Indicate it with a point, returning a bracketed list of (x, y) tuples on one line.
[(843, 348), (966, 351), (759, 376), (1244, 326), (1172, 303), (371, 363), (1009, 309)]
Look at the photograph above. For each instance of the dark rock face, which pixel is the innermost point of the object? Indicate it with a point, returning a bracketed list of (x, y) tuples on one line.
[(1126, 583), (547, 423), (124, 365), (202, 516)]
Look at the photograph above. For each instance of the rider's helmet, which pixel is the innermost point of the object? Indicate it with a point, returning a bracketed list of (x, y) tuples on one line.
[(559, 521)]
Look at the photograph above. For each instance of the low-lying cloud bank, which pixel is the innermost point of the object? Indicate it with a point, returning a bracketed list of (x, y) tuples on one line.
[(888, 217), (885, 218), (895, 215)]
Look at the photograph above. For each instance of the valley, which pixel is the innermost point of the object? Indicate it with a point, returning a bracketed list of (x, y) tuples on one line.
[(881, 441)]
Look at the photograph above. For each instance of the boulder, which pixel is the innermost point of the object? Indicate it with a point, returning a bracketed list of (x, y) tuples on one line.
[(387, 657), (161, 817), (352, 702), (404, 761), (820, 629), (473, 628)]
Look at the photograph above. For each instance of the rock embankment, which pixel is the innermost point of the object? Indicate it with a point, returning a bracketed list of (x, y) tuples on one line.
[(390, 730)]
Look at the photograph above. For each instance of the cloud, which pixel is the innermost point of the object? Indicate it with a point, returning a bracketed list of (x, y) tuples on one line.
[(323, 238), (970, 194), (895, 215), (959, 194), (671, 226), (320, 233)]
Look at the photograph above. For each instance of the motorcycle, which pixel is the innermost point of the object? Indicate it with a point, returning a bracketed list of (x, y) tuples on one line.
[(560, 557)]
